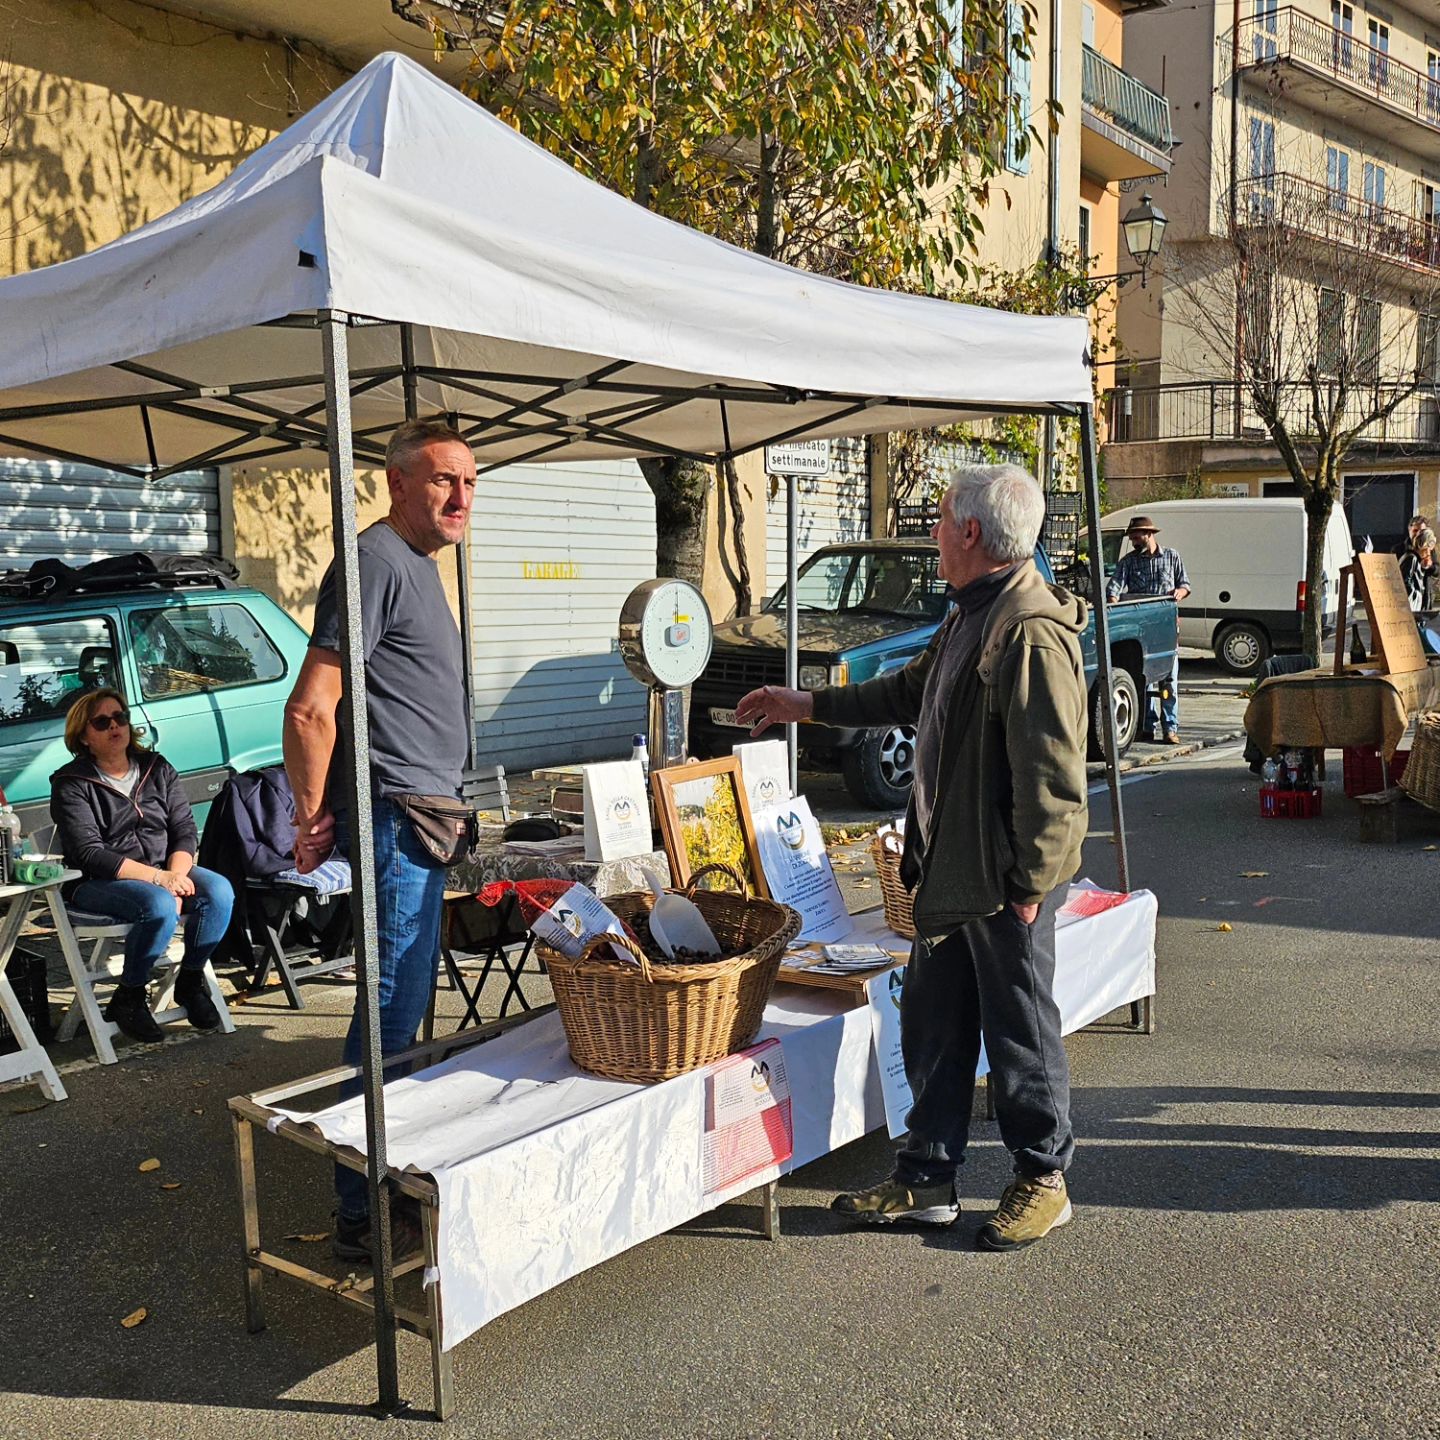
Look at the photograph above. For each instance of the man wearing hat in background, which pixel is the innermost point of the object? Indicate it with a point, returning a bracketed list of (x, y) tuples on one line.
[(1151, 570)]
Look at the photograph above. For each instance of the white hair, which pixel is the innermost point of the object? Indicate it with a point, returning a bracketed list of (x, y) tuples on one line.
[(1005, 502)]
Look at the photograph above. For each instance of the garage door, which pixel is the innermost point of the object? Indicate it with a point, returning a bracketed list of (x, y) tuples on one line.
[(555, 549), (830, 508), (79, 513)]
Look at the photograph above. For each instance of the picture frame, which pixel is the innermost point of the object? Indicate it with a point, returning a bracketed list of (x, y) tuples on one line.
[(705, 818)]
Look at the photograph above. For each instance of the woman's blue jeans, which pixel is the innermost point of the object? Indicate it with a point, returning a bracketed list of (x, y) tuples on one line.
[(151, 915), (409, 896)]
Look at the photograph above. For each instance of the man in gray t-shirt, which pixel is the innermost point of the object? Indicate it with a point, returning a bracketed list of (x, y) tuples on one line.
[(416, 709)]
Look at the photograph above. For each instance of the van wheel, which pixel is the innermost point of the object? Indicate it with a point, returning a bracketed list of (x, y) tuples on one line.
[(1242, 648), (881, 768), (1126, 700)]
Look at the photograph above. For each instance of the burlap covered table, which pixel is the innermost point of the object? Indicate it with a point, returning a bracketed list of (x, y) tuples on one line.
[(1320, 709)]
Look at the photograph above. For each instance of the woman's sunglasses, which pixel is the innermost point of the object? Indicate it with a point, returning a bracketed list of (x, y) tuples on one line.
[(102, 723)]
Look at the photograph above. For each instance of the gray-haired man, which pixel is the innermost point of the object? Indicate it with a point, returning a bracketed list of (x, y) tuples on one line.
[(993, 834)]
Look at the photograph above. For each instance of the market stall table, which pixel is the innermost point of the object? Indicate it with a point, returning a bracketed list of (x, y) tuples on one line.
[(530, 1171), (30, 1060)]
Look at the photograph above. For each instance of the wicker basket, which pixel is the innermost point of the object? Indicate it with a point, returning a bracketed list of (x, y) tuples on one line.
[(887, 847), (660, 1019), (1421, 780)]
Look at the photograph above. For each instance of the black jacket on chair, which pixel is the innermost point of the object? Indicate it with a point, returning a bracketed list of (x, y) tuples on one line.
[(98, 827)]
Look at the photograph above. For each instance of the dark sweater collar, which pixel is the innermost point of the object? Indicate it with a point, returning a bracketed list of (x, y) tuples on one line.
[(982, 592)]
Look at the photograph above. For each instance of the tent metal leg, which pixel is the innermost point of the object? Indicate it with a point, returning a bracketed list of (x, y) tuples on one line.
[(792, 625), (1102, 638), (355, 726)]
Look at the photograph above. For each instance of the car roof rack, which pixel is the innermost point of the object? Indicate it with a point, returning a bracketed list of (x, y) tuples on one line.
[(54, 579)]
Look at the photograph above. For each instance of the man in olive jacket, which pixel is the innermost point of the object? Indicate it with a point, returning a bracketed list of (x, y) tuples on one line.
[(993, 834)]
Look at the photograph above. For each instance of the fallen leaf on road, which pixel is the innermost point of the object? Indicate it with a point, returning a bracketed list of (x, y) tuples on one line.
[(146, 1166), (308, 1239), (135, 1317), (1225, 927), (863, 883), (169, 1184), (1253, 874), (1432, 847), (197, 1112)]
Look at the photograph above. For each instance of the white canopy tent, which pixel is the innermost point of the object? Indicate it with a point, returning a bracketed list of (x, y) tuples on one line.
[(399, 250)]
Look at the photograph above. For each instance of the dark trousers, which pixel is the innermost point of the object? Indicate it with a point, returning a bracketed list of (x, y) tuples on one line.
[(994, 978)]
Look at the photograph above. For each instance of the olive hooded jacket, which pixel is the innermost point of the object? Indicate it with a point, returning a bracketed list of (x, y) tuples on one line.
[(1010, 810)]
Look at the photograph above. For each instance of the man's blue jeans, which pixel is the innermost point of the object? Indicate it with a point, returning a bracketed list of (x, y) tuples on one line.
[(151, 915), (1169, 709), (409, 894)]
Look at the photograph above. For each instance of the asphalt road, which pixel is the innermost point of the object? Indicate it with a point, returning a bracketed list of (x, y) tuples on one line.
[(1254, 1252)]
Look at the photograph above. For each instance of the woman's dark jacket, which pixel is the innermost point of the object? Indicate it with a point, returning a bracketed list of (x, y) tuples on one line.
[(98, 827)]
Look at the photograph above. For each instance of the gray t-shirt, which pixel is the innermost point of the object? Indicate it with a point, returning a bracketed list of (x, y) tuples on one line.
[(414, 674), (125, 783)]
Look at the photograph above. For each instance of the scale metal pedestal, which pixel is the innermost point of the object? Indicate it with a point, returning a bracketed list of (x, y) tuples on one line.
[(665, 638)]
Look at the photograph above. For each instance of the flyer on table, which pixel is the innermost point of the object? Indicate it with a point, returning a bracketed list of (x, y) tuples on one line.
[(797, 869)]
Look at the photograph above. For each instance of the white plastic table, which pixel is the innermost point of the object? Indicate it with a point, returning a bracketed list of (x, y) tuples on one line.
[(30, 1061)]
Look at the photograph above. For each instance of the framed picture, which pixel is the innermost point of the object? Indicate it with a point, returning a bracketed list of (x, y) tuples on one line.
[(705, 820)]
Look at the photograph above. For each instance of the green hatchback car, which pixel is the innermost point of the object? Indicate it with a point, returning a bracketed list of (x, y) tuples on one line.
[(206, 666)]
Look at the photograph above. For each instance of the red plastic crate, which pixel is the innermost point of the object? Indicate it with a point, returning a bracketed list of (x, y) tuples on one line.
[(1361, 764), (1291, 804)]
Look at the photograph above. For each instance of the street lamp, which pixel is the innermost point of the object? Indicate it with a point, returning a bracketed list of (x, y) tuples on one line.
[(1144, 231)]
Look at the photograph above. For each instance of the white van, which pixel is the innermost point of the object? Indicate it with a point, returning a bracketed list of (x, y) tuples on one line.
[(1245, 560)]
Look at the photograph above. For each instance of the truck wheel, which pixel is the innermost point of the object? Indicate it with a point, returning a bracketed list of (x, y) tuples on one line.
[(881, 768), (1242, 648), (1126, 700)]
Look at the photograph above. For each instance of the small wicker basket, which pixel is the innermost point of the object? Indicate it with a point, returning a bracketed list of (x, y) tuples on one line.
[(888, 847), (1421, 778), (655, 1020)]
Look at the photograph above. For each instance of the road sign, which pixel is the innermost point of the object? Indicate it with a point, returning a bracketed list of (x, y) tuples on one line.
[(798, 457)]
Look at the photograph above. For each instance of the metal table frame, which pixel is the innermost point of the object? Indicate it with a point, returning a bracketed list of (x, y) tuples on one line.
[(31, 1061), (249, 1112)]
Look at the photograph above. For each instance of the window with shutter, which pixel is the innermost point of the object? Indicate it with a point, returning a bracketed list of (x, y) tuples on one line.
[(1017, 153)]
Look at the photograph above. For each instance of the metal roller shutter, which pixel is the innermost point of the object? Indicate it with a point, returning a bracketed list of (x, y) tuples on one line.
[(79, 513), (555, 549), (831, 508)]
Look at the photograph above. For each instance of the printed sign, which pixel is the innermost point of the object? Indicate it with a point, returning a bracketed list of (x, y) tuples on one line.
[(798, 457), (749, 1125), (765, 769), (883, 994), (617, 812), (1396, 637), (797, 869)]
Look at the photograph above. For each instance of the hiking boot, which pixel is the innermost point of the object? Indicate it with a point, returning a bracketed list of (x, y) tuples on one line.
[(192, 995), (893, 1201), (351, 1241), (1172, 737), (129, 1008), (1030, 1209)]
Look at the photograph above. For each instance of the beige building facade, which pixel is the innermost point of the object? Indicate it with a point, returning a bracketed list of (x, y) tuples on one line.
[(1311, 132)]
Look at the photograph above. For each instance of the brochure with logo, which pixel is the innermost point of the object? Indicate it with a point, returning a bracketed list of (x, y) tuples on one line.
[(765, 769), (797, 869), (617, 811), (749, 1126), (883, 993)]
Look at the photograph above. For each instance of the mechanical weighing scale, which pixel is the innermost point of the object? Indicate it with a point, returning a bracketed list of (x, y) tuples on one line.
[(665, 639)]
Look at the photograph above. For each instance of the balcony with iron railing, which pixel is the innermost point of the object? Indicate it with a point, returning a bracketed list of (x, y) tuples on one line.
[(1221, 410), (1339, 73), (1340, 218), (1125, 124)]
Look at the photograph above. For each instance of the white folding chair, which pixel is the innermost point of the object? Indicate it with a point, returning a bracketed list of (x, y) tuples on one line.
[(103, 966)]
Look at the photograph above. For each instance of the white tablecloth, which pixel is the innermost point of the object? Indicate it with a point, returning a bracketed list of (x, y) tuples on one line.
[(544, 1171)]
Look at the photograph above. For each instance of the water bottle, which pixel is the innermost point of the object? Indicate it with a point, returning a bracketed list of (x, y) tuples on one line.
[(1269, 773), (641, 752), (9, 843)]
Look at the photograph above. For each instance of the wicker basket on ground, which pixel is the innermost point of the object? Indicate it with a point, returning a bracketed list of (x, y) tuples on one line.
[(657, 1019), (1421, 780), (887, 848)]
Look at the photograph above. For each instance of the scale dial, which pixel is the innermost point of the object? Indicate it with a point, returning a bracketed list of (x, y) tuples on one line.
[(665, 633)]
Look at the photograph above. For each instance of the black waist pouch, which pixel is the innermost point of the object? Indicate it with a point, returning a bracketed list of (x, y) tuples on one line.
[(444, 825)]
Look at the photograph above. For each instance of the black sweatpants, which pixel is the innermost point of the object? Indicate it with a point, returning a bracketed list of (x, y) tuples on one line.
[(992, 977)]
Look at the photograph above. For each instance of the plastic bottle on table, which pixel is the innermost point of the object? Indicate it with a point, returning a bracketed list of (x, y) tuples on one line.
[(9, 843), (640, 751)]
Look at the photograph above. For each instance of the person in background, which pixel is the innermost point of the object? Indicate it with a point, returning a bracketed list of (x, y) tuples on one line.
[(419, 729), (1418, 568), (1151, 570), (1413, 527), (123, 821), (997, 816)]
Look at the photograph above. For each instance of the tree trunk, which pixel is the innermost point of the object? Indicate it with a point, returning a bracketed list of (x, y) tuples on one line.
[(1319, 502), (680, 488)]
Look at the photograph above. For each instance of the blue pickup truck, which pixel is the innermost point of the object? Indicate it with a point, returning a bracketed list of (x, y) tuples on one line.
[(867, 607)]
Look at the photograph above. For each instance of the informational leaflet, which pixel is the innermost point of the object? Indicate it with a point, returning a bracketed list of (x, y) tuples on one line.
[(749, 1125), (797, 869), (883, 993), (617, 811), (765, 770)]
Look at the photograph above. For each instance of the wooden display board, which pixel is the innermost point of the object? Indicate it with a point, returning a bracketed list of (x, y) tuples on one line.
[(1394, 635)]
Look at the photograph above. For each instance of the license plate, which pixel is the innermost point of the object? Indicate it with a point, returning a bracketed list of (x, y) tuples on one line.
[(725, 717)]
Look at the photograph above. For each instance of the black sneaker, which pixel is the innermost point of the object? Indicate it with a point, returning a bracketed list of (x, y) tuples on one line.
[(351, 1241), (893, 1201), (129, 1008), (192, 995)]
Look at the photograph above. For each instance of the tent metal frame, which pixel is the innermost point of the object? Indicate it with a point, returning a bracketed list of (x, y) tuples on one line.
[(275, 431)]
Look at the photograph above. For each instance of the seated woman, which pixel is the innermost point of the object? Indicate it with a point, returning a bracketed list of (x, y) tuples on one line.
[(124, 822)]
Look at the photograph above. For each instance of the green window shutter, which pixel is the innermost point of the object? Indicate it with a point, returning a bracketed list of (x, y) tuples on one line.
[(1017, 154)]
